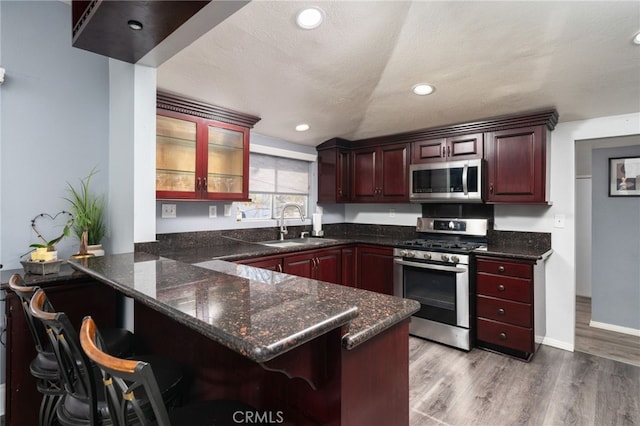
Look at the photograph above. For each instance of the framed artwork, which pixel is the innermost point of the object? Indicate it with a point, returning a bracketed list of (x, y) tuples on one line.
[(624, 177)]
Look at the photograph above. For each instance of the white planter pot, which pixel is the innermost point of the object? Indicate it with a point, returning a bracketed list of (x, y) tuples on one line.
[(95, 249)]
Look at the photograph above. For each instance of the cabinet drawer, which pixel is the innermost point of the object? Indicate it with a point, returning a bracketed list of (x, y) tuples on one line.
[(510, 288), (499, 267), (507, 335), (515, 313)]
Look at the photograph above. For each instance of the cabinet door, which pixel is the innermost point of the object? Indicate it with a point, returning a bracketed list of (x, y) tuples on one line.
[(176, 161), (364, 175), (393, 172), (375, 269), (301, 265), (227, 162), (465, 147), (333, 175), (516, 166), (428, 151), (329, 266), (348, 267)]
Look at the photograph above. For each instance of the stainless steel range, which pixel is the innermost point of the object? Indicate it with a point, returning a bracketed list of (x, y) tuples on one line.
[(434, 270)]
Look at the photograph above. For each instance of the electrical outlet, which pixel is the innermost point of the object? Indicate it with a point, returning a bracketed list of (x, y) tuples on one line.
[(213, 211), (168, 211), (392, 212), (227, 210)]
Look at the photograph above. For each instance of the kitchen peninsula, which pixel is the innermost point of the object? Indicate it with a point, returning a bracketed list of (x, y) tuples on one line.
[(318, 353)]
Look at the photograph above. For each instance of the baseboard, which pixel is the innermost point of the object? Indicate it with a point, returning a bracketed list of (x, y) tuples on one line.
[(558, 344), (2, 399), (616, 328)]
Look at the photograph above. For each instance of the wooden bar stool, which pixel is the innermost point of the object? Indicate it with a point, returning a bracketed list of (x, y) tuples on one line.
[(131, 385), (83, 403)]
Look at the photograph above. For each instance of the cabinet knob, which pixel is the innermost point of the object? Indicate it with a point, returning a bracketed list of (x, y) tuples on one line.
[(500, 311), (503, 336), (198, 184), (500, 287), (448, 151), (443, 151), (491, 189), (279, 268), (204, 184), (500, 268)]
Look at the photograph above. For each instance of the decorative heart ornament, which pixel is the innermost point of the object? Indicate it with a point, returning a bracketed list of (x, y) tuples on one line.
[(62, 219)]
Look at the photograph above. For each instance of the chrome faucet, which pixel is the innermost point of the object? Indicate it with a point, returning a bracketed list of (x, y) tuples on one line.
[(283, 227)]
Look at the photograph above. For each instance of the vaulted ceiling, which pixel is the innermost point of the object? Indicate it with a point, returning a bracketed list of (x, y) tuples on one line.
[(352, 76)]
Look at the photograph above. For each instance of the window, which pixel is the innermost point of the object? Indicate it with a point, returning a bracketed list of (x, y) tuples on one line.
[(274, 181)]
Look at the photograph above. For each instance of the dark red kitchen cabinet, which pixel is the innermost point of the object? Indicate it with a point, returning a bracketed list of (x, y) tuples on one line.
[(517, 165), (380, 174), (375, 268), (202, 151), (333, 173), (349, 266), (461, 147), (323, 265)]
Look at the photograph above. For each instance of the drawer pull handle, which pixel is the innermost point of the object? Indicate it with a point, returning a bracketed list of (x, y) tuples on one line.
[(500, 311), (500, 268), (503, 336), (500, 287)]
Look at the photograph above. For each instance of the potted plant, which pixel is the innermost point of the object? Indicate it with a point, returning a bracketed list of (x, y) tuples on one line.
[(88, 210)]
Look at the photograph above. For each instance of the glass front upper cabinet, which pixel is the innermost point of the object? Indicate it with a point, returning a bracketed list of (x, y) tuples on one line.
[(199, 158)]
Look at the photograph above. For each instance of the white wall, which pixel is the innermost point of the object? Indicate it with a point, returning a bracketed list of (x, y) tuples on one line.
[(53, 122)]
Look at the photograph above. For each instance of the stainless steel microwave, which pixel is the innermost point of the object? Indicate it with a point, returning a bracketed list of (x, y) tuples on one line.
[(450, 181)]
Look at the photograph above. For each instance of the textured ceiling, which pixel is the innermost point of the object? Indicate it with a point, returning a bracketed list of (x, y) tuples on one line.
[(352, 76)]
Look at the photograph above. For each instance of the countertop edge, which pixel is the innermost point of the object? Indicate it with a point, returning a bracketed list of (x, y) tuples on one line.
[(352, 340), (514, 255)]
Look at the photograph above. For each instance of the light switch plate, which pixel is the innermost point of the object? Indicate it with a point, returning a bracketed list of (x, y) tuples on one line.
[(213, 211), (168, 211)]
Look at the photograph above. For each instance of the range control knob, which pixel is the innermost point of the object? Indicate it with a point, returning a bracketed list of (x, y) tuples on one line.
[(445, 257), (427, 256), (407, 253), (455, 259)]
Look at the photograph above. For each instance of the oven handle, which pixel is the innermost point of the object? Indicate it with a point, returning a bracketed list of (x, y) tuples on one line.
[(465, 177), (429, 266)]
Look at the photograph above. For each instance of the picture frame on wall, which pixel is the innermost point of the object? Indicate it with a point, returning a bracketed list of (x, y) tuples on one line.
[(624, 177)]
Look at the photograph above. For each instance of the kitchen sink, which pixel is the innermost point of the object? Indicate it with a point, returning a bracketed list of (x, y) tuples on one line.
[(296, 242)]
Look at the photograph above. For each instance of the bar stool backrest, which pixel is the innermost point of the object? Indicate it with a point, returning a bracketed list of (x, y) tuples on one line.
[(75, 368), (25, 293), (129, 384)]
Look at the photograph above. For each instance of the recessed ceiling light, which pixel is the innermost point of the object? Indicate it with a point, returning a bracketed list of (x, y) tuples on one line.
[(302, 127), (423, 89), (134, 25), (310, 18), (636, 38)]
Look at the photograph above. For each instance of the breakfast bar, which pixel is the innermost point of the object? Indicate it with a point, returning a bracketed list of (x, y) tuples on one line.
[(309, 351)]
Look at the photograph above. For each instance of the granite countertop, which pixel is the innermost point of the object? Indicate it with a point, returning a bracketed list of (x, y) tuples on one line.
[(524, 253), (376, 311), (252, 311)]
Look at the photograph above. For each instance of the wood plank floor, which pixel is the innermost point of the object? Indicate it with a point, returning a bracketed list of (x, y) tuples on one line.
[(453, 387), (604, 343)]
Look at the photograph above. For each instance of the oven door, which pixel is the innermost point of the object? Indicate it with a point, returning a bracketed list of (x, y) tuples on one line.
[(442, 290)]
